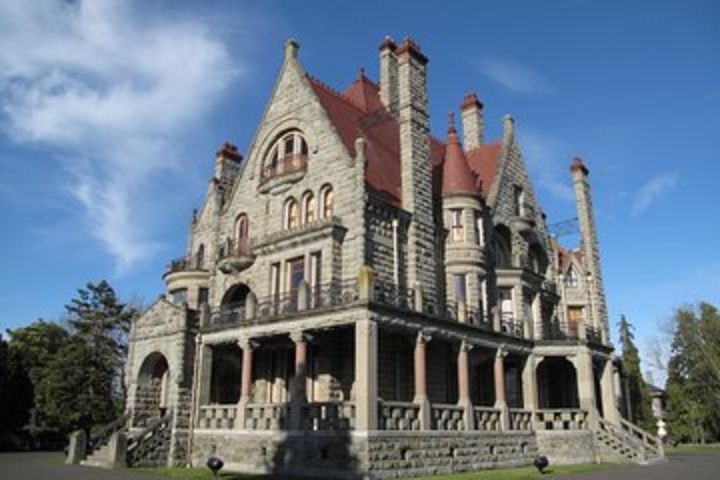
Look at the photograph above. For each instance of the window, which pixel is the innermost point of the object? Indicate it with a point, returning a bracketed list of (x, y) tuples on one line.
[(574, 317), (457, 228), (203, 295), (292, 214), (479, 229), (571, 278), (179, 296), (275, 279), (326, 199), (502, 245), (200, 257), (315, 276), (308, 207), (289, 153), (296, 274), (460, 287), (506, 304), (242, 229), (519, 197)]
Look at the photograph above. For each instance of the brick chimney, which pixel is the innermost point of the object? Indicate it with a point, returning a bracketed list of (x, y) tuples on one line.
[(472, 122), (389, 74), (227, 163), (414, 120)]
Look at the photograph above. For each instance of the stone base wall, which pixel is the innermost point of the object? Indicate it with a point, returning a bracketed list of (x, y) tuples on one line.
[(375, 455), (567, 447)]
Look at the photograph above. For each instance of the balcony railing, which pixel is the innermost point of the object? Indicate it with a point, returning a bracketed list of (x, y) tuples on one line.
[(558, 330), (593, 334), (510, 326), (288, 164), (185, 264)]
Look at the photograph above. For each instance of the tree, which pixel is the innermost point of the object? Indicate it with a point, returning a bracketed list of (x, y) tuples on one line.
[(693, 383), (637, 390), (102, 322)]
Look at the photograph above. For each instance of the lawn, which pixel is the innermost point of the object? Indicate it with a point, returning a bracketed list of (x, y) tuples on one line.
[(694, 448), (523, 473)]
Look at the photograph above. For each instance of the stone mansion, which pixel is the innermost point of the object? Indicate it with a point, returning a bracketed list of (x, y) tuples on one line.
[(360, 298)]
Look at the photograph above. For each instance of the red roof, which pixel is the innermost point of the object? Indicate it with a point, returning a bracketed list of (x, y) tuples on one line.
[(359, 112), (457, 177)]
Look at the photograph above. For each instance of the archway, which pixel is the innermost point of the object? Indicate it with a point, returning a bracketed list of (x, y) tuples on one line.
[(153, 385), (557, 383), (235, 296)]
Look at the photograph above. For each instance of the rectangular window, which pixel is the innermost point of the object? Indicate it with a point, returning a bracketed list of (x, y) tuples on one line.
[(315, 276), (479, 230), (296, 274), (506, 304), (203, 295), (574, 317), (458, 232), (179, 296), (460, 286), (519, 201)]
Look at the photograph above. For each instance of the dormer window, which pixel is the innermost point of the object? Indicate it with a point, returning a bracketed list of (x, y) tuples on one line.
[(571, 278), (288, 154)]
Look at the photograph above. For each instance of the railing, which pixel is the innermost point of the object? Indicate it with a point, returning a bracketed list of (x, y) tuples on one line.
[(487, 419), (156, 436), (102, 436), (185, 264), (399, 416), (475, 316), (391, 294), (593, 334), (229, 315), (234, 248), (288, 164), (217, 416), (558, 330), (520, 419), (447, 417), (322, 416), (561, 419), (511, 327), (651, 443), (267, 416)]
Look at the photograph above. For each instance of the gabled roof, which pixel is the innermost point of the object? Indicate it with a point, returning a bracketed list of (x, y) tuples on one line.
[(359, 111)]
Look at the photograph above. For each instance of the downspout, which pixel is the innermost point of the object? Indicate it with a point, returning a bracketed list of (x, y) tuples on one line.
[(396, 253)]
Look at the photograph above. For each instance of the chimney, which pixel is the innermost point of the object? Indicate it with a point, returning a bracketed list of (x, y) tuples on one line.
[(472, 122), (227, 163), (389, 74), (414, 120)]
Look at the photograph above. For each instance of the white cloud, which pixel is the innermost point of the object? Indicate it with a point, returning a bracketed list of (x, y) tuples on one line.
[(111, 89), (514, 76), (548, 161), (652, 191)]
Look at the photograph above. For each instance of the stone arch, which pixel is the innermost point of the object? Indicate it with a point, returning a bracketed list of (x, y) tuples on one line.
[(557, 383), (235, 296), (537, 259), (152, 396), (263, 147)]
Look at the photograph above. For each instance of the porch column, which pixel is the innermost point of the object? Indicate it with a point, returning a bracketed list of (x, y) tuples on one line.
[(464, 385), (247, 347), (421, 397), (500, 400), (529, 384), (205, 379), (586, 383), (366, 375), (298, 386), (609, 398)]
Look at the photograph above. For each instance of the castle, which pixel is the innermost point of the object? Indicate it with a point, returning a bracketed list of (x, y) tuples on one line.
[(361, 298)]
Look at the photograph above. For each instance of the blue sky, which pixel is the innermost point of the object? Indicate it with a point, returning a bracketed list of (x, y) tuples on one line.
[(110, 113)]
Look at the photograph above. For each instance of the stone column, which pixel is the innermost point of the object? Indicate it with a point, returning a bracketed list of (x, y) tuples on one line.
[(366, 284), (366, 375), (500, 400), (247, 347), (421, 397), (586, 382), (609, 398), (464, 385), (206, 355), (529, 384), (298, 398)]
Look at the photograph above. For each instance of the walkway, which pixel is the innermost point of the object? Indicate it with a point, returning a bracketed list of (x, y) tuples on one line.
[(690, 466)]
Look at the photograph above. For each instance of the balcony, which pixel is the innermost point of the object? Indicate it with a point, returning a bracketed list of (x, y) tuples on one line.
[(290, 169), (558, 330), (524, 220), (235, 256), (184, 264)]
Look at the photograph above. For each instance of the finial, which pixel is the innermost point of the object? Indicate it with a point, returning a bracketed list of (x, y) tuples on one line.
[(362, 72), (291, 49), (451, 120), (508, 126), (578, 165)]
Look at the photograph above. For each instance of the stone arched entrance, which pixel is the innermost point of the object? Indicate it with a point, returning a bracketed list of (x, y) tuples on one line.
[(235, 296), (557, 383), (153, 386)]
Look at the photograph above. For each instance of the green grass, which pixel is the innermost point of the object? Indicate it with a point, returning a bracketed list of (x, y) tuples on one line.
[(522, 473), (694, 448), (57, 459)]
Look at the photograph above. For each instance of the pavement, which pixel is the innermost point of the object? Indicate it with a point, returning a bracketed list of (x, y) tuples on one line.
[(44, 466)]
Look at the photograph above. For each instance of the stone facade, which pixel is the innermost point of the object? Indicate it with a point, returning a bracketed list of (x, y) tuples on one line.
[(349, 304)]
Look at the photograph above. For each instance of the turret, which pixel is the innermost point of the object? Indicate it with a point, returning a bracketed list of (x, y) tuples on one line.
[(590, 248)]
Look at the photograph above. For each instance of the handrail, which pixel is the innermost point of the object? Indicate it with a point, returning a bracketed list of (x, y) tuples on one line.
[(106, 432), (152, 427), (648, 440)]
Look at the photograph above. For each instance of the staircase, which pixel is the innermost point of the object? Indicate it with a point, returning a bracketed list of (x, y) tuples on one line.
[(627, 443), (148, 448)]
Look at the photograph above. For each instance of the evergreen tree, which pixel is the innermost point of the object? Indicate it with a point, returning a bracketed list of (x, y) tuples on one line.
[(102, 322), (637, 390)]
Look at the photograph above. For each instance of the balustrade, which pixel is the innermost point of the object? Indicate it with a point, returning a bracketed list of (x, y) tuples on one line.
[(399, 416), (319, 416), (561, 419), (520, 419), (447, 417), (217, 417), (488, 419), (267, 416)]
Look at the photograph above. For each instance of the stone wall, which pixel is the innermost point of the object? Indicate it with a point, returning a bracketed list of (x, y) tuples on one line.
[(566, 447)]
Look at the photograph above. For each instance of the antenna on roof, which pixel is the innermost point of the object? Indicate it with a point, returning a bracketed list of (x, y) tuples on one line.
[(564, 227)]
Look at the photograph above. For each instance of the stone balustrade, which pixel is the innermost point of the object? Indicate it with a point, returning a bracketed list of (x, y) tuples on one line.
[(488, 419), (520, 419), (399, 416), (322, 416), (216, 417), (267, 416), (561, 419), (447, 417)]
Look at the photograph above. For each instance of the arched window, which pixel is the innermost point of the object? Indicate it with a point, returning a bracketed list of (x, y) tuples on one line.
[(242, 232), (571, 278), (292, 214), (326, 202), (200, 257), (503, 248), (288, 153), (308, 207), (538, 261)]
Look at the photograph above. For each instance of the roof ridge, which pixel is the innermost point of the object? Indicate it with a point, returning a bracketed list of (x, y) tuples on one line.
[(334, 92)]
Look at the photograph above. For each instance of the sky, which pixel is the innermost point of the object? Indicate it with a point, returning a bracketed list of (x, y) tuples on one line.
[(111, 111)]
